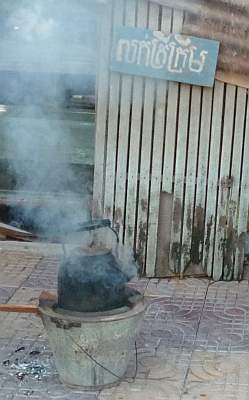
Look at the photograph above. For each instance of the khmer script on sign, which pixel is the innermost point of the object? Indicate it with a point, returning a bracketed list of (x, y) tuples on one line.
[(171, 57)]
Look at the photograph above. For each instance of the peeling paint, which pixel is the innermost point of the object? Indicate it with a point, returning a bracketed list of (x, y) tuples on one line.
[(241, 248), (223, 221), (197, 236), (118, 219), (118, 215), (176, 256), (185, 253), (208, 241), (141, 246), (130, 231), (177, 215), (189, 218), (108, 212), (229, 251), (144, 205)]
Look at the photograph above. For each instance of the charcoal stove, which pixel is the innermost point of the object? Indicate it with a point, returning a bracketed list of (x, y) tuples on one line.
[(93, 324), (92, 350)]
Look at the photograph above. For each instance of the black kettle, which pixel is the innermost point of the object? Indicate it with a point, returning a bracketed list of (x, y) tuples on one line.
[(92, 279)]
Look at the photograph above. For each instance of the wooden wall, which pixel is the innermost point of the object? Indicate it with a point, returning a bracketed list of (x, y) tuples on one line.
[(171, 152)]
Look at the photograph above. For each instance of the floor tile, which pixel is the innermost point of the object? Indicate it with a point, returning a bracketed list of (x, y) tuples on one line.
[(218, 376), (15, 268)]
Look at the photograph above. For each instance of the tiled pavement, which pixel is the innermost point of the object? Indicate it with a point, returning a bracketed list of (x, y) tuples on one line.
[(194, 341)]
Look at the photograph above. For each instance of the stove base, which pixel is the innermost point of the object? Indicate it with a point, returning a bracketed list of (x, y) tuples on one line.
[(92, 350)]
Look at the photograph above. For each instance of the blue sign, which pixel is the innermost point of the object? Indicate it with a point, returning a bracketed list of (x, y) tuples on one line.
[(172, 57)]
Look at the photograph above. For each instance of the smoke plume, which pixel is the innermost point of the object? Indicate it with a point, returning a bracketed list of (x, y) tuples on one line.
[(48, 53)]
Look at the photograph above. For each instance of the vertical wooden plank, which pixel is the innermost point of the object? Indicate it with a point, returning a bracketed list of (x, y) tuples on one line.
[(145, 165), (171, 120), (216, 130), (164, 232), (101, 109), (237, 157), (223, 264), (171, 128), (191, 177), (124, 129), (113, 117), (135, 137), (157, 160), (178, 202), (204, 142), (243, 204)]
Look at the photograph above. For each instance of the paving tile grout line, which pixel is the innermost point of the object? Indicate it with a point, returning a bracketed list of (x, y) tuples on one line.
[(34, 269), (210, 283), (22, 283)]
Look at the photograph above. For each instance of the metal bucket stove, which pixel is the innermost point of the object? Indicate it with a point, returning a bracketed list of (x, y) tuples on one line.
[(92, 350), (93, 325)]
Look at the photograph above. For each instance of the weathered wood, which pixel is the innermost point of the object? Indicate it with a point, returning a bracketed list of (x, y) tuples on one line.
[(123, 138), (243, 204), (217, 114), (20, 308), (157, 162), (136, 137), (164, 239), (190, 186), (223, 260), (101, 108), (237, 158), (171, 128), (146, 153), (135, 141), (201, 184), (112, 131), (14, 233), (171, 119), (178, 203)]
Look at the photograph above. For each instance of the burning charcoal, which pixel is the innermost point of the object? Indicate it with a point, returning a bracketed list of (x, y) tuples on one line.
[(34, 353), (6, 363), (20, 349)]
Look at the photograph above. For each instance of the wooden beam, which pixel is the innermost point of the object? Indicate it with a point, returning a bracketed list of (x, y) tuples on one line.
[(20, 308), (10, 231)]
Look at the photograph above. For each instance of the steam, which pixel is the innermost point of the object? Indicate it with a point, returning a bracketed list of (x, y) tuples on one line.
[(51, 44)]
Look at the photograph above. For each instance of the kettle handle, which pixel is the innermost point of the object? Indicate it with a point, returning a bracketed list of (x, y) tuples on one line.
[(97, 224)]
